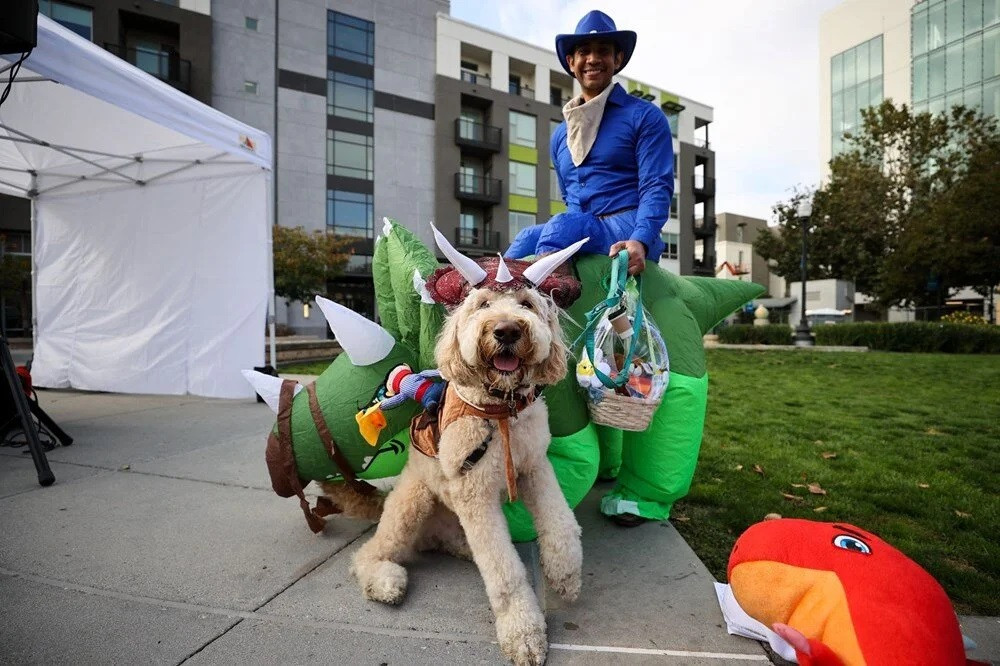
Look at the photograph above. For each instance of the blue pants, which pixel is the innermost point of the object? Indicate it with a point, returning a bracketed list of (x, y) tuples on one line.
[(567, 228)]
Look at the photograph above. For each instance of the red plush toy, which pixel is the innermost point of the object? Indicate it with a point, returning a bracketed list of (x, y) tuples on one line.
[(840, 595)]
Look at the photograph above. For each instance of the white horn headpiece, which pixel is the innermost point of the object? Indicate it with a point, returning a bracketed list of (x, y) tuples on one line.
[(470, 270), (503, 273), (364, 341), (542, 268)]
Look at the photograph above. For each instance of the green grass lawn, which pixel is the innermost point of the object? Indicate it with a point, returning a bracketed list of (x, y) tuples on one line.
[(314, 368), (906, 446)]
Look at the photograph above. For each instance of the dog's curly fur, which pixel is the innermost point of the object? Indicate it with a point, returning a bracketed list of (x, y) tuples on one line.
[(435, 504)]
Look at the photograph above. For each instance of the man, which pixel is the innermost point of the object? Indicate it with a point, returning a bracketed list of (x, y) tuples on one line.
[(613, 156)]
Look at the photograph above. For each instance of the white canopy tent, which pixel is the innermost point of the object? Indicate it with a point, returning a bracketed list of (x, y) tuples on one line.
[(151, 225)]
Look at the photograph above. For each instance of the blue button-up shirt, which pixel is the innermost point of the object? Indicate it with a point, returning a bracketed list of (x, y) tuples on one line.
[(631, 165)]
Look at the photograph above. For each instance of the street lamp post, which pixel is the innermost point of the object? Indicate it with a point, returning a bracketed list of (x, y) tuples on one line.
[(803, 336)]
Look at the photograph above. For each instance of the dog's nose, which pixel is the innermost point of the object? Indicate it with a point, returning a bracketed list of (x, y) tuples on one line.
[(507, 332)]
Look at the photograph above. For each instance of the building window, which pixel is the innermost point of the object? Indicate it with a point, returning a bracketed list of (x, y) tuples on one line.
[(350, 155), (956, 53), (856, 84), (519, 221), (522, 179), (78, 19), (555, 194), (672, 245), (16, 243), (250, 87), (350, 38), (350, 96), (674, 207), (522, 129), (349, 213), (251, 23), (515, 84)]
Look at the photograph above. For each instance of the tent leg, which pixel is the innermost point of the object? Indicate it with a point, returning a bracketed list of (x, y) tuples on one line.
[(34, 266)]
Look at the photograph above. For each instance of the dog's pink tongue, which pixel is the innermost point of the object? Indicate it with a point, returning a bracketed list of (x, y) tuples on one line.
[(506, 363)]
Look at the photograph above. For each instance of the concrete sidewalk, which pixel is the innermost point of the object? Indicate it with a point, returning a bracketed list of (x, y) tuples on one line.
[(162, 542)]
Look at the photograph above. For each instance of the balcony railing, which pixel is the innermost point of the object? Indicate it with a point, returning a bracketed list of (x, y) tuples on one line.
[(475, 78), (523, 91), (704, 228), (478, 189), (477, 239), (704, 186), (701, 143), (477, 136), (166, 66), (558, 100)]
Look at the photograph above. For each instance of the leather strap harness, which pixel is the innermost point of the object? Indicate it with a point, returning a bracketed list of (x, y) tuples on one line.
[(426, 427)]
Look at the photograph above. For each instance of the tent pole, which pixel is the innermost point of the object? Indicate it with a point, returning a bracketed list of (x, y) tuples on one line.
[(33, 196), (271, 306)]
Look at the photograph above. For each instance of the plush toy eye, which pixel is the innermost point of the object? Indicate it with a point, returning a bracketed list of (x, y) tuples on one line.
[(851, 543)]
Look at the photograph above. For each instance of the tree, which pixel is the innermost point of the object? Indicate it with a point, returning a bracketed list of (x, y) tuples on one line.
[(304, 262), (908, 213)]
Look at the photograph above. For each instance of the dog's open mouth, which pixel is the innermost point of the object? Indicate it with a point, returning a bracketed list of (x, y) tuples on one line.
[(505, 362)]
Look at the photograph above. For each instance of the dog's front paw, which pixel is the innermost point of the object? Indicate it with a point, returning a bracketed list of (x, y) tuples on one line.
[(523, 644), (568, 586), (385, 583), (563, 570)]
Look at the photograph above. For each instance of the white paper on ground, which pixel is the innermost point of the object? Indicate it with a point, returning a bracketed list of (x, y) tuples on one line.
[(741, 624)]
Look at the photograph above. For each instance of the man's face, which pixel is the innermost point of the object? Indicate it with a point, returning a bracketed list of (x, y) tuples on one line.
[(593, 63)]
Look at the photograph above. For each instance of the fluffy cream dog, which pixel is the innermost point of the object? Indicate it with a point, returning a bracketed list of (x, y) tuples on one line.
[(497, 349)]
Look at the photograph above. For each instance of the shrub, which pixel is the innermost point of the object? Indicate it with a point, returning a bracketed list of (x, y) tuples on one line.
[(743, 334), (913, 337), (964, 317)]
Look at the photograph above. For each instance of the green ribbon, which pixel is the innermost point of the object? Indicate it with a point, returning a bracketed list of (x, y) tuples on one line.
[(616, 290)]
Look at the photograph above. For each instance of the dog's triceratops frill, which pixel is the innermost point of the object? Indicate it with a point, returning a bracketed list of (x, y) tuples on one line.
[(661, 460)]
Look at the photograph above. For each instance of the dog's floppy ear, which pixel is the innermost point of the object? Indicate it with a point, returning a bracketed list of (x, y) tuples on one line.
[(448, 355), (554, 368)]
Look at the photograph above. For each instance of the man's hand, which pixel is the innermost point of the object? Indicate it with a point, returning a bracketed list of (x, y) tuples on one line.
[(636, 255)]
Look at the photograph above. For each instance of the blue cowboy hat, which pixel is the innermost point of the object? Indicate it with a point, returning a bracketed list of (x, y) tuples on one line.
[(595, 25)]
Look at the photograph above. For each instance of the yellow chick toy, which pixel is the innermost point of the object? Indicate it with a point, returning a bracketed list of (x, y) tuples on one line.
[(370, 423)]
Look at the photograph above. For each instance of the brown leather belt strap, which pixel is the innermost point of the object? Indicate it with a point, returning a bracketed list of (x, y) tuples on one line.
[(288, 458), (508, 460), (335, 454)]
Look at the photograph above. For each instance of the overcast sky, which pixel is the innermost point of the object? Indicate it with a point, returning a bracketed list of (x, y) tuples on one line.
[(755, 62)]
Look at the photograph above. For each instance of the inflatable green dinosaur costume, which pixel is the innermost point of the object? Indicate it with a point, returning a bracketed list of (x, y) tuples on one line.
[(653, 468)]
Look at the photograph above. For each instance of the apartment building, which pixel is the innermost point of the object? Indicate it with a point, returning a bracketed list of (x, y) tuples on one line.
[(928, 54), (497, 101), (347, 89)]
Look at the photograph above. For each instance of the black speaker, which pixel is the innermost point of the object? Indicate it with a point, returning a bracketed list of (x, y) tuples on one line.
[(18, 25)]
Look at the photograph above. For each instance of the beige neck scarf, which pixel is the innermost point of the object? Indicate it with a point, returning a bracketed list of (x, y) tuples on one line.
[(582, 121)]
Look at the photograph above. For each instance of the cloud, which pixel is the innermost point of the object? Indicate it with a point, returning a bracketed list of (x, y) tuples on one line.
[(756, 63)]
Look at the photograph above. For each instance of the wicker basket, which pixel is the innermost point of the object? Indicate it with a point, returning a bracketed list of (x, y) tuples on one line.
[(624, 412)]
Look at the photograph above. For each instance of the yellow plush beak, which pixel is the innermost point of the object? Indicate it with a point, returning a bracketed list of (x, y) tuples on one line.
[(370, 423)]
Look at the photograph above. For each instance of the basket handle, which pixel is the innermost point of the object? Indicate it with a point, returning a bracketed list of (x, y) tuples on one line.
[(616, 290)]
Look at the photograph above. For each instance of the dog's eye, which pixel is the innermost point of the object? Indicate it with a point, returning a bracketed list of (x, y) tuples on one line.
[(527, 305), (484, 304)]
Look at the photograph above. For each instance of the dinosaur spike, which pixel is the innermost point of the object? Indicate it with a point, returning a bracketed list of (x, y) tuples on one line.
[(420, 285), (470, 270), (364, 341), (268, 387), (503, 273), (386, 226), (542, 268)]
